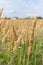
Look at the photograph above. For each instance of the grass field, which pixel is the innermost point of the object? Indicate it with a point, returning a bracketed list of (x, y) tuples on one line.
[(17, 33)]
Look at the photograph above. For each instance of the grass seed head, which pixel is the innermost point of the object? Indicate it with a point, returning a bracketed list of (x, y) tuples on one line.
[(32, 36)]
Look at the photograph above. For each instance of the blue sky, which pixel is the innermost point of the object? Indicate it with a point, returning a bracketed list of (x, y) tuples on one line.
[(22, 8)]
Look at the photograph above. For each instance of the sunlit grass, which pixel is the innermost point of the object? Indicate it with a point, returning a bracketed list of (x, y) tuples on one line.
[(20, 57)]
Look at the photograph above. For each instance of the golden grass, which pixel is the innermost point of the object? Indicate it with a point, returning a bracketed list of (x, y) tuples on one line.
[(17, 42), (15, 28), (1, 10), (32, 36)]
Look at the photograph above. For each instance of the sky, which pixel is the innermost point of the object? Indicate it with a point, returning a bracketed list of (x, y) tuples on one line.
[(22, 8)]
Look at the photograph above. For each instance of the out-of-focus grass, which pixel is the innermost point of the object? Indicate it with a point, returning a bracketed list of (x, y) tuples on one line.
[(20, 57)]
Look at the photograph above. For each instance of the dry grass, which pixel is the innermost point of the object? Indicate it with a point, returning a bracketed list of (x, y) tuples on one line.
[(15, 27), (32, 36), (1, 10), (12, 32), (17, 42)]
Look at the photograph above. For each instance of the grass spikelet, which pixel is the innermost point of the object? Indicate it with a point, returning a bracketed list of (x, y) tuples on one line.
[(4, 37), (1, 10), (32, 36), (17, 43), (15, 36)]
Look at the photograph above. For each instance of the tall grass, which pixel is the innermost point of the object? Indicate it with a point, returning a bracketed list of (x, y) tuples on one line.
[(32, 36), (1, 10), (20, 57), (29, 53)]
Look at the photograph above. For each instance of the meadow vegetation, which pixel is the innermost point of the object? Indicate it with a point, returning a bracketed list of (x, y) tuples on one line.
[(21, 41)]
